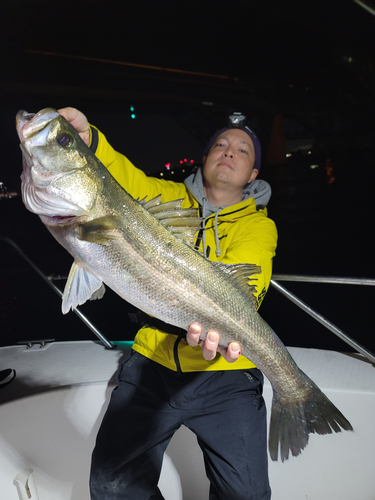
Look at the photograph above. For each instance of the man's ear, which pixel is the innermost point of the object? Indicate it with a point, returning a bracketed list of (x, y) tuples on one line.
[(253, 175)]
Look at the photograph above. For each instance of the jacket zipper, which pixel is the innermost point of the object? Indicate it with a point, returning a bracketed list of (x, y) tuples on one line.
[(175, 354)]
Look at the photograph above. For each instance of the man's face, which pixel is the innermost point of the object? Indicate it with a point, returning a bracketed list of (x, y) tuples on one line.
[(230, 161)]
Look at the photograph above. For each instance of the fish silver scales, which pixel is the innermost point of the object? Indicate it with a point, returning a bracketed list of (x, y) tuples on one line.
[(139, 250)]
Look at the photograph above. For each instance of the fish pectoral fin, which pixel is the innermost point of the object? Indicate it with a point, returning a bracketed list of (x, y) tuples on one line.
[(80, 287), (101, 231), (242, 273)]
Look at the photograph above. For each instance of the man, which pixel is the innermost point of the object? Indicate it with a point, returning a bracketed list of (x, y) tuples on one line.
[(169, 380)]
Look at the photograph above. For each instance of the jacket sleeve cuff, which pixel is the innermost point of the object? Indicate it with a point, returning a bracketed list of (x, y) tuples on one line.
[(94, 139)]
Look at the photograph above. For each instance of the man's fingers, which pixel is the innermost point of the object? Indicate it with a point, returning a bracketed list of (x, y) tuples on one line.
[(70, 114), (79, 121), (193, 334), (210, 345), (232, 352)]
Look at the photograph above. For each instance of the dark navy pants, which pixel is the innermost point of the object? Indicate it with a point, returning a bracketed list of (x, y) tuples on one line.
[(225, 409)]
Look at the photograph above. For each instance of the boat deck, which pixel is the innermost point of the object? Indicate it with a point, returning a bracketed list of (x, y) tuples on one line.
[(51, 412)]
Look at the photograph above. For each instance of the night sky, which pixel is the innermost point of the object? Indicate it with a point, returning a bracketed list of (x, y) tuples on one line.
[(250, 39), (310, 62)]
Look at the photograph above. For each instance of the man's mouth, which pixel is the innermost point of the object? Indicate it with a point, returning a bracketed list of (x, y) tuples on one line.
[(225, 164)]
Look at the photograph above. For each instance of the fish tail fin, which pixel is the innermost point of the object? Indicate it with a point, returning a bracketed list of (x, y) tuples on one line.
[(291, 424)]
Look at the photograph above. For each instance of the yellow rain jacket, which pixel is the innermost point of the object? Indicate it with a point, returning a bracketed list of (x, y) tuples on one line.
[(245, 235)]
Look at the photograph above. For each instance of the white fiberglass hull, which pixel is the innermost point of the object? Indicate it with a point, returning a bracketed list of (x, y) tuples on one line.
[(50, 414)]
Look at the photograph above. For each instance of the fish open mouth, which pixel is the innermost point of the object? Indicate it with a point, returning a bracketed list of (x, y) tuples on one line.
[(29, 124), (46, 187), (22, 118)]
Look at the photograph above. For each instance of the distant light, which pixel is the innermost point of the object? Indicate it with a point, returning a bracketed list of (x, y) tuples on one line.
[(183, 170), (191, 161), (132, 116), (181, 161), (131, 108), (161, 174), (167, 165), (309, 152), (185, 160), (314, 166), (172, 172), (288, 154), (207, 103)]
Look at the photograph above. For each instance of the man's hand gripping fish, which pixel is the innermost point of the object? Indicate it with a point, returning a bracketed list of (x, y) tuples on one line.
[(141, 250)]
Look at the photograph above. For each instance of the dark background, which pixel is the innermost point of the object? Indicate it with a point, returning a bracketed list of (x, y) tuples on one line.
[(302, 72)]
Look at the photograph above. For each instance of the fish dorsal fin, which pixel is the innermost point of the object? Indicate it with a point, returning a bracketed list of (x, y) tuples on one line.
[(154, 202), (80, 287), (242, 273), (181, 222)]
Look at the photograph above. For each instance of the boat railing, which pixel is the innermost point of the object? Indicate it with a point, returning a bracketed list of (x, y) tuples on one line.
[(49, 280), (274, 282), (318, 317)]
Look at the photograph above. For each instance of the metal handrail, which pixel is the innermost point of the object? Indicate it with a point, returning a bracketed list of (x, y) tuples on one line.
[(108, 344), (318, 317), (324, 279), (274, 282)]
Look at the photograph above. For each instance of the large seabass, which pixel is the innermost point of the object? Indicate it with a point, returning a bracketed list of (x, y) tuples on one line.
[(141, 249)]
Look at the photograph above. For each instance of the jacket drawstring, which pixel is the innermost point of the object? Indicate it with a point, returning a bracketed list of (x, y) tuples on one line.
[(218, 251), (204, 227)]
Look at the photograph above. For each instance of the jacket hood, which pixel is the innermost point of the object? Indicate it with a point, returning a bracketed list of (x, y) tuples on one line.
[(259, 190)]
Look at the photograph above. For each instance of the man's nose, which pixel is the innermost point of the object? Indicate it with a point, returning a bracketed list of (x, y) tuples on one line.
[(228, 153)]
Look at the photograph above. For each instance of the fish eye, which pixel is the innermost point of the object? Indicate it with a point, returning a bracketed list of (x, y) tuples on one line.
[(65, 140)]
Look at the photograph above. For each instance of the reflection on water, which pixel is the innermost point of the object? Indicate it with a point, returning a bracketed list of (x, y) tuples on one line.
[(324, 217)]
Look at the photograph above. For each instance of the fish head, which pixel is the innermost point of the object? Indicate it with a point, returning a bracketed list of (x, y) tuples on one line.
[(60, 178)]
